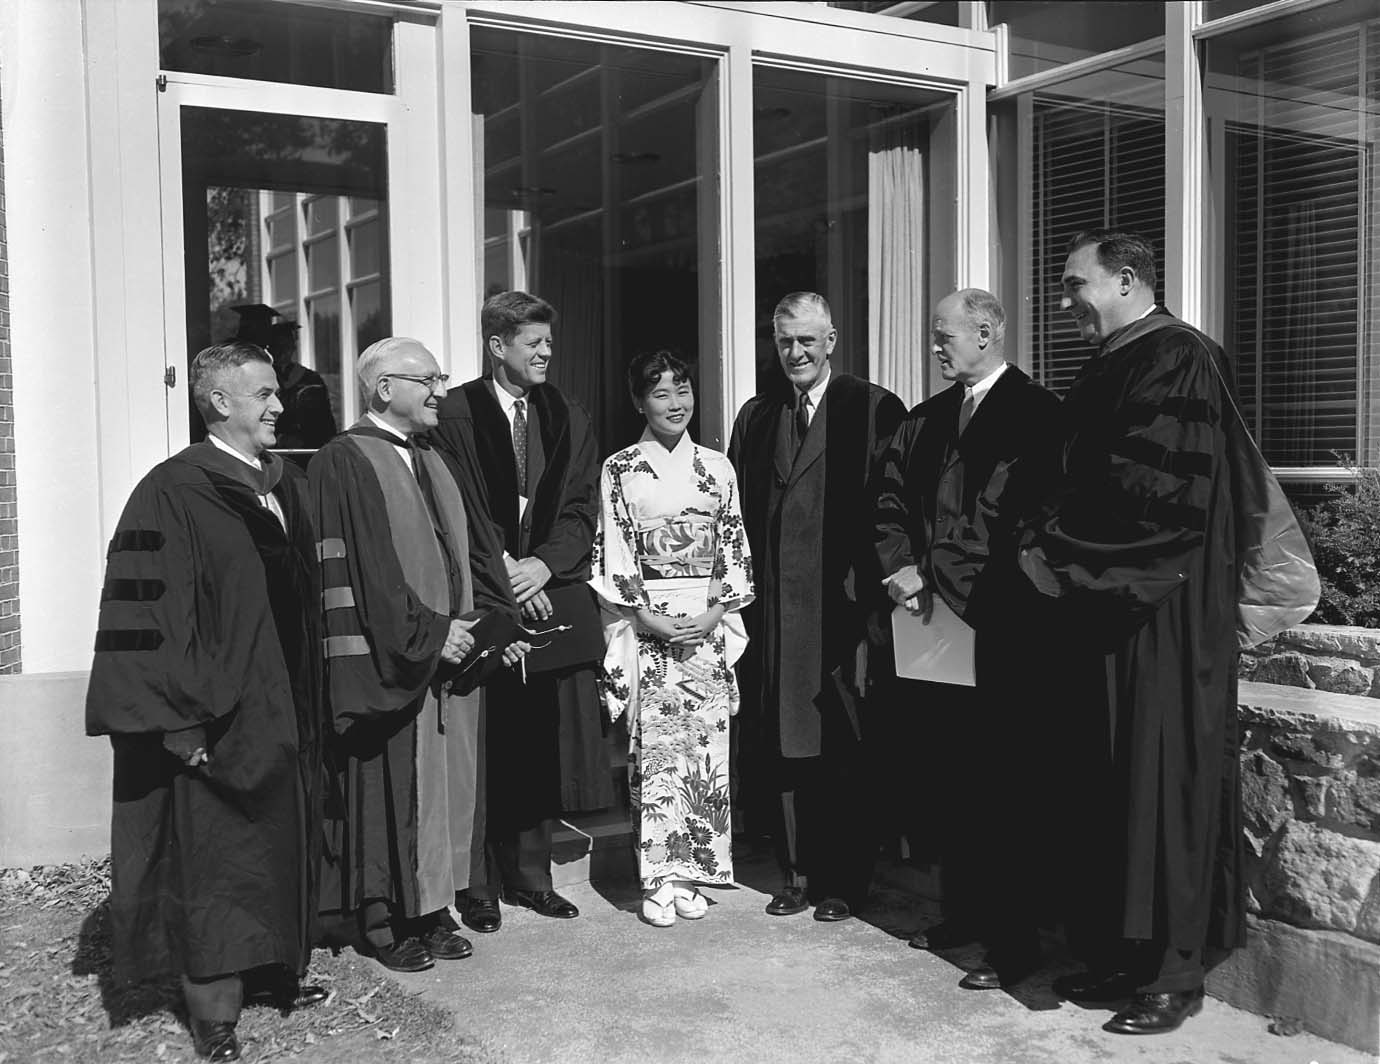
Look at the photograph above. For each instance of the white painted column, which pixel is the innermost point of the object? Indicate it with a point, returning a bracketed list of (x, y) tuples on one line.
[(1185, 166)]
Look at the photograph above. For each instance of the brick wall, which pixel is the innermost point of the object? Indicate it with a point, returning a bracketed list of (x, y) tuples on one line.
[(9, 523)]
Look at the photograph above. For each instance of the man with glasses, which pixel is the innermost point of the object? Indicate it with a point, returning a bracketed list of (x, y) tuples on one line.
[(401, 562), (207, 680), (534, 451)]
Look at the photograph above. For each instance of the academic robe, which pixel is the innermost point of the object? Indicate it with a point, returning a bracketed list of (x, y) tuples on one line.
[(558, 527), (395, 571), (809, 522), (210, 617), (1138, 544), (950, 504)]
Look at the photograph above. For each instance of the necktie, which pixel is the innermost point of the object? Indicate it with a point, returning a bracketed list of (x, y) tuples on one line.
[(802, 417), (520, 445), (965, 412)]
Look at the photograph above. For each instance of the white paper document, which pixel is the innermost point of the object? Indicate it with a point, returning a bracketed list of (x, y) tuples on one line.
[(940, 650)]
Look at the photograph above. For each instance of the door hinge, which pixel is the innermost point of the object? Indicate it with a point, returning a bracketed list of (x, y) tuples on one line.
[(170, 377), (162, 82)]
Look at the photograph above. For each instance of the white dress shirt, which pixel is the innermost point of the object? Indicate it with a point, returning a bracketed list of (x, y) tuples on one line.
[(401, 446), (816, 394), (268, 502), (507, 402), (977, 392)]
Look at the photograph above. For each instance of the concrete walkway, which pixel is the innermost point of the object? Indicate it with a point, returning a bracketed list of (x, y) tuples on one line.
[(744, 988)]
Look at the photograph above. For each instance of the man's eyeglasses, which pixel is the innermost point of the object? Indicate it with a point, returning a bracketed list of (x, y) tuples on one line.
[(430, 381)]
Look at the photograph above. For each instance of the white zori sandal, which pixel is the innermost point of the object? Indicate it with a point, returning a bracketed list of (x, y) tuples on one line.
[(659, 906), (689, 902)]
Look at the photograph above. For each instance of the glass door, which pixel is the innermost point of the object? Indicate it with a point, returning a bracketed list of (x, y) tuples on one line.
[(285, 204)]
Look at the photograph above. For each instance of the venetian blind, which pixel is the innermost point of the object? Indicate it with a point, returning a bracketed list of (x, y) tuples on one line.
[(1096, 166), (1299, 208)]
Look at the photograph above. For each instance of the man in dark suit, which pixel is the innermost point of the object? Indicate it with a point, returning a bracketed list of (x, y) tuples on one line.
[(953, 482), (534, 454), (803, 451)]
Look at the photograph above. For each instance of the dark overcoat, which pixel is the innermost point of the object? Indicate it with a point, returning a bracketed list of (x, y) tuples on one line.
[(809, 520), (1138, 541), (557, 527), (210, 616)]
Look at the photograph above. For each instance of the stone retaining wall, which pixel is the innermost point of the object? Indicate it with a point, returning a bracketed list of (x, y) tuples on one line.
[(1325, 657), (1310, 767)]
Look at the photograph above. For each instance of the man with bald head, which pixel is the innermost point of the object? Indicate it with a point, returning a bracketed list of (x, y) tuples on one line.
[(402, 565), (958, 474)]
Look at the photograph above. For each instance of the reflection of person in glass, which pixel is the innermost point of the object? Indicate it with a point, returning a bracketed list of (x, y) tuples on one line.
[(306, 421), (671, 561)]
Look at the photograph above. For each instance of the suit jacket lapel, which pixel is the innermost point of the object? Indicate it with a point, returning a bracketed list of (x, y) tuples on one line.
[(813, 448), (776, 418), (496, 458)]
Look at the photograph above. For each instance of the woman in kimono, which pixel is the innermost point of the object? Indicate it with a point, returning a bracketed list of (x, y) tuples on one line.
[(671, 565)]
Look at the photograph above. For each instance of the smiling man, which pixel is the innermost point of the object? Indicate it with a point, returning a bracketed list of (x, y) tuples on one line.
[(207, 680), (1138, 545), (401, 564), (532, 450), (804, 450)]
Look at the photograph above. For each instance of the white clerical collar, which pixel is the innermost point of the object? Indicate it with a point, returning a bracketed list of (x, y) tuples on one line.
[(385, 426), (507, 400), (982, 387), (216, 441), (817, 390)]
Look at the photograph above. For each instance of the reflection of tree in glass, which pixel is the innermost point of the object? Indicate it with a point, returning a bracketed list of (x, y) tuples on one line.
[(227, 245), (372, 328), (303, 154)]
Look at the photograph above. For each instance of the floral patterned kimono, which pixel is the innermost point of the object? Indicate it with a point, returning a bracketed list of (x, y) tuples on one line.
[(671, 540)]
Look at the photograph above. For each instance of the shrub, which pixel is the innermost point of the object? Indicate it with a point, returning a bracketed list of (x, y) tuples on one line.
[(1344, 530)]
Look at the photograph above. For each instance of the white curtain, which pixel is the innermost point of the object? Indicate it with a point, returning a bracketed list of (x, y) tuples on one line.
[(897, 313)]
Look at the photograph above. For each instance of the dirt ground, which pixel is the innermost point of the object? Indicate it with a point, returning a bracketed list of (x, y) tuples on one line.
[(58, 1001)]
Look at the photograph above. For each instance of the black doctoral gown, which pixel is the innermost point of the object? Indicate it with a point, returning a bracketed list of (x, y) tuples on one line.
[(403, 750), (210, 616), (809, 522), (558, 527), (951, 505), (1138, 542)]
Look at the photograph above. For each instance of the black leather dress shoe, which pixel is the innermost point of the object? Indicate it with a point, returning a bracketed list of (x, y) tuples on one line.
[(446, 945), (787, 902), (288, 995), (1156, 1013), (941, 936), (409, 955), (481, 915), (832, 909), (1096, 987), (996, 974), (542, 902), (215, 1039)]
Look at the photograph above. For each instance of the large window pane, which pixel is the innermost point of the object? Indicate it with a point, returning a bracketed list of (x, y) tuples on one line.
[(600, 176), (1097, 156), (1044, 34), (854, 200), (264, 199), (1295, 112), (283, 41)]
